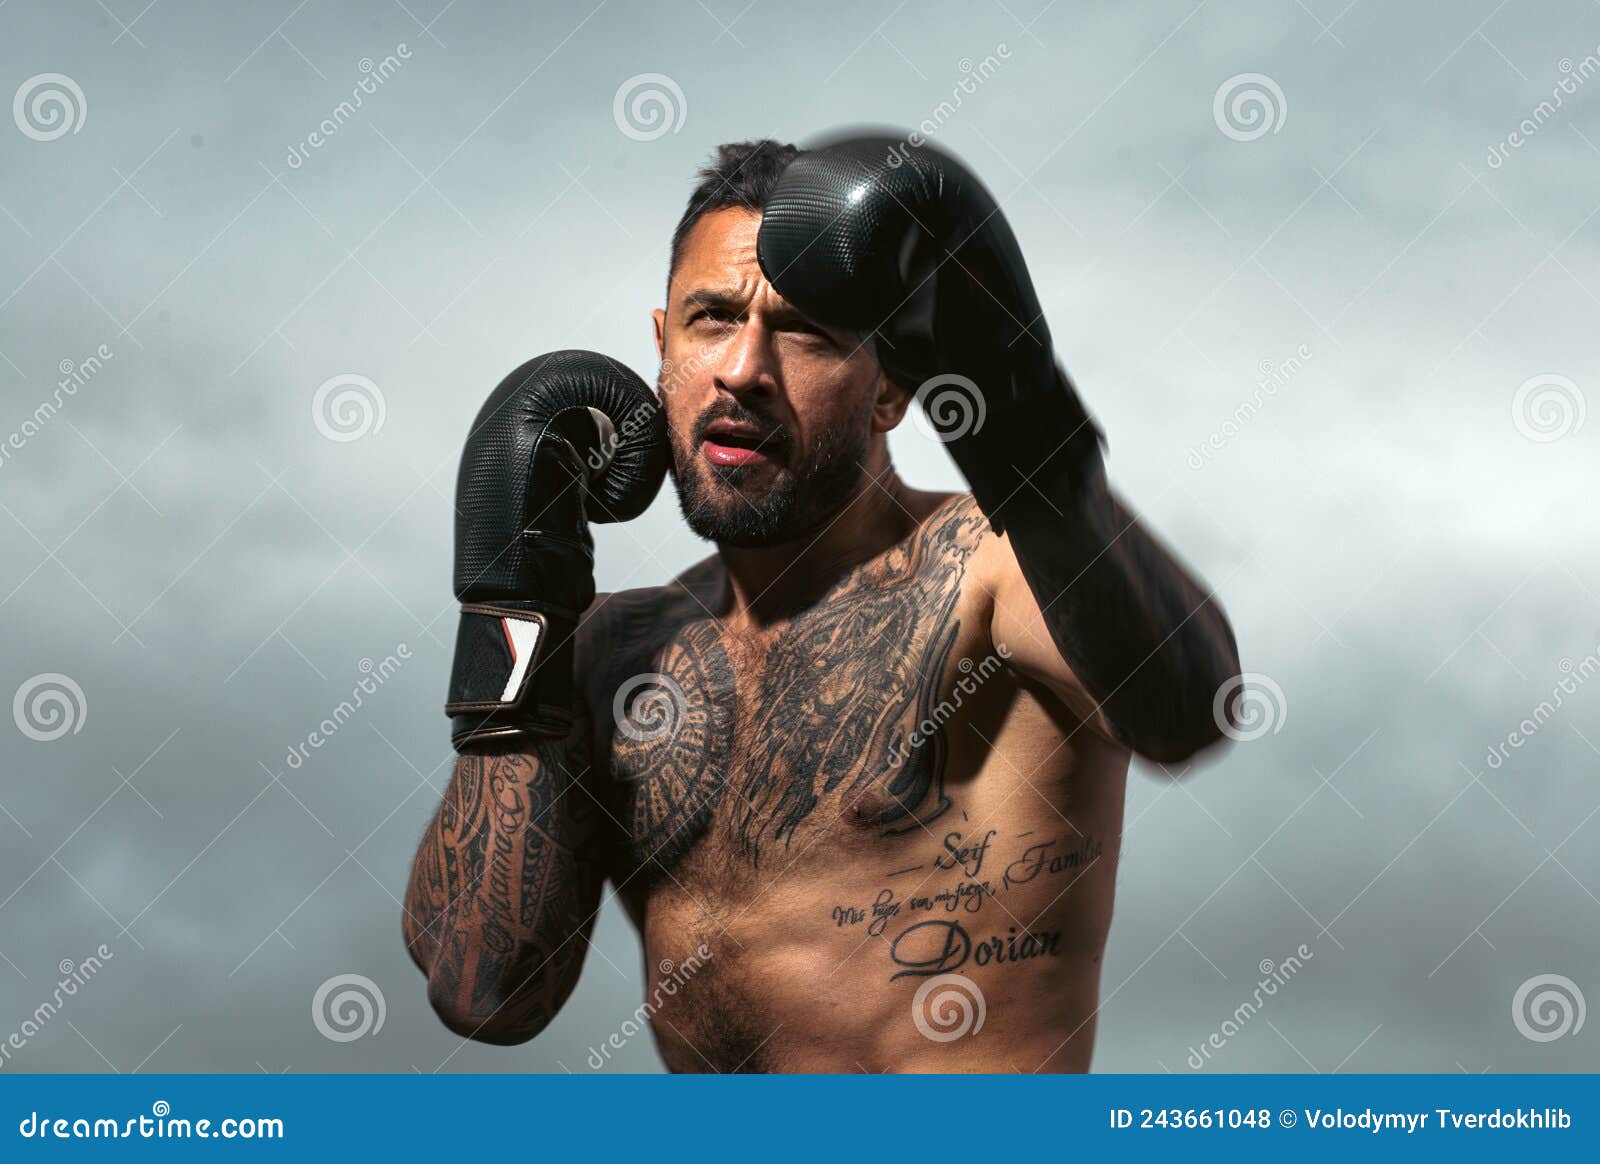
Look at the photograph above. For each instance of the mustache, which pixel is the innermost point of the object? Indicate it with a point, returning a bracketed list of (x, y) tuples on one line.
[(773, 434)]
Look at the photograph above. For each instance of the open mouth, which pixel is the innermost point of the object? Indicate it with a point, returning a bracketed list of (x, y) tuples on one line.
[(726, 443)]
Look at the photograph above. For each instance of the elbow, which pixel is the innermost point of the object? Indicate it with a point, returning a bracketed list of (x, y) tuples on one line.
[(1204, 718), (494, 1021), (1181, 745)]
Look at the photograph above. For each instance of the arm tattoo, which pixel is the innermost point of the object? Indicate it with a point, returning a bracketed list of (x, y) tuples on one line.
[(500, 898)]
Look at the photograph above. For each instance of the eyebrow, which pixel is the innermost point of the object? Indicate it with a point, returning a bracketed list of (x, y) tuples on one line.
[(715, 297), (737, 301)]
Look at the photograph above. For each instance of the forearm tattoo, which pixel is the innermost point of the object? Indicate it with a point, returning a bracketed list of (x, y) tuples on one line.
[(500, 899)]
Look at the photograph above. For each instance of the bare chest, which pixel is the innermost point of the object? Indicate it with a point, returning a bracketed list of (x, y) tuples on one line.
[(731, 753)]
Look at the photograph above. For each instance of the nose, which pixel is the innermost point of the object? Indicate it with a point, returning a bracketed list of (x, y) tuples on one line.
[(747, 365)]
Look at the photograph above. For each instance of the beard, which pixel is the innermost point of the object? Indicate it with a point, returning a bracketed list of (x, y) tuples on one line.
[(755, 506)]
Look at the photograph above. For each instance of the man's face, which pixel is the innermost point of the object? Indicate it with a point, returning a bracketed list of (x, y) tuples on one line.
[(774, 419)]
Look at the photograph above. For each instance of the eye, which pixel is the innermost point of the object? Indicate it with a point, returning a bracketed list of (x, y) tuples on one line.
[(714, 316), (812, 334)]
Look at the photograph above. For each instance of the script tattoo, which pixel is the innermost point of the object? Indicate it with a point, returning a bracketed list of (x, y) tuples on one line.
[(495, 908), (1047, 857), (939, 947)]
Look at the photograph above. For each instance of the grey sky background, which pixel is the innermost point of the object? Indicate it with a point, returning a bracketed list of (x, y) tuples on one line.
[(1401, 529)]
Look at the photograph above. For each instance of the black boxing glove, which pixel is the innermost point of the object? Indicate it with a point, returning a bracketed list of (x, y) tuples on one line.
[(902, 244), (568, 438)]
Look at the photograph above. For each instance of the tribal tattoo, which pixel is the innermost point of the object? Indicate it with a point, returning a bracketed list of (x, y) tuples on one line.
[(499, 900), (832, 706)]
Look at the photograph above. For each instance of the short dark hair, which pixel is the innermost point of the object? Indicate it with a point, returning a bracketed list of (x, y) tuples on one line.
[(743, 173)]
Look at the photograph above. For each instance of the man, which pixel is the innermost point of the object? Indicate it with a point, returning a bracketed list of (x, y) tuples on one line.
[(858, 777)]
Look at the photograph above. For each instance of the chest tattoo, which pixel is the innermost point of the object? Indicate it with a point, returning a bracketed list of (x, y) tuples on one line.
[(839, 703)]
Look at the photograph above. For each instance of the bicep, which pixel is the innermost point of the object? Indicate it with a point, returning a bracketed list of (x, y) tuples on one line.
[(1021, 634)]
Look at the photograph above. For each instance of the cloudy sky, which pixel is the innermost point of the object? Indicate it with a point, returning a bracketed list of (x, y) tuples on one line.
[(275, 340)]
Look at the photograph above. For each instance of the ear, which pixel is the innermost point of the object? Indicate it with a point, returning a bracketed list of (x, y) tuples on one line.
[(889, 406), (658, 320)]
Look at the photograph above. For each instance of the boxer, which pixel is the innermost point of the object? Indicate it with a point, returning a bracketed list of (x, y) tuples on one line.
[(857, 777)]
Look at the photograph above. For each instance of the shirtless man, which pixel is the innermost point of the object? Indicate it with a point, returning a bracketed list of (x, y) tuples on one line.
[(858, 777)]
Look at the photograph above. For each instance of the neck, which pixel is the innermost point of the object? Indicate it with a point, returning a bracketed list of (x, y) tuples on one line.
[(770, 583)]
